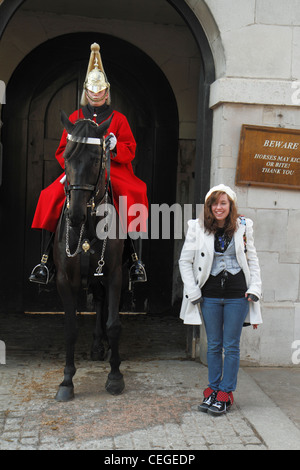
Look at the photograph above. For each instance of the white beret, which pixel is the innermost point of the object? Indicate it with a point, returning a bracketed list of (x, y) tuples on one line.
[(223, 189)]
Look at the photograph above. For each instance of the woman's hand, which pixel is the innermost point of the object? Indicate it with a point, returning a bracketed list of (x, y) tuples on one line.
[(252, 298)]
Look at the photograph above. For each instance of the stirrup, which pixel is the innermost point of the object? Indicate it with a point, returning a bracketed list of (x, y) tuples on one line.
[(40, 273), (137, 272)]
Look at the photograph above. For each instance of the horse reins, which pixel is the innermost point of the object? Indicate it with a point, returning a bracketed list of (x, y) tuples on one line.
[(105, 163)]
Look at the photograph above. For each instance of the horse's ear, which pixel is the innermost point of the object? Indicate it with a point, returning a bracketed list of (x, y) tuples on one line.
[(102, 128), (68, 125)]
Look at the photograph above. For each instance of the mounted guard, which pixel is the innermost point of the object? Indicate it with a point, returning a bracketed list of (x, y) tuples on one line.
[(96, 105)]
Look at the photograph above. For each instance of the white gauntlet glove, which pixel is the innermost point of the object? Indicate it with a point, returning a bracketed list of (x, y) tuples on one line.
[(111, 141)]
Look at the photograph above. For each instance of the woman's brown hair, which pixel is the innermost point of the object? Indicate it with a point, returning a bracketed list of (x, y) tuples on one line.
[(210, 222)]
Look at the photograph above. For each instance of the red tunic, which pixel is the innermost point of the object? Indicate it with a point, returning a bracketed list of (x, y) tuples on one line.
[(124, 182)]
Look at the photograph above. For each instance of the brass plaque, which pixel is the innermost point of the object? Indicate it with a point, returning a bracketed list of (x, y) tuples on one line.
[(269, 156)]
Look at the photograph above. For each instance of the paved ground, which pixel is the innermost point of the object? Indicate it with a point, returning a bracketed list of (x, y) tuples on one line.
[(158, 409)]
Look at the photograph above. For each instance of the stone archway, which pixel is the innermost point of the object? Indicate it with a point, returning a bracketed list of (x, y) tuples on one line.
[(50, 77), (203, 139)]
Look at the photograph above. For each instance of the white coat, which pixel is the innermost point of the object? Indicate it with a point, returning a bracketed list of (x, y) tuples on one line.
[(196, 261)]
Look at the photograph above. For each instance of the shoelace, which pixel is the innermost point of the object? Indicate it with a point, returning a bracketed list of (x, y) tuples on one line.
[(208, 400), (218, 404)]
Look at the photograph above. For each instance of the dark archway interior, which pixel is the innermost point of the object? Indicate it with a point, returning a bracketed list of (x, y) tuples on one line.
[(142, 92)]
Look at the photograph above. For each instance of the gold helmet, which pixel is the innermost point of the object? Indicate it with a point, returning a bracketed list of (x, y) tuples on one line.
[(95, 80)]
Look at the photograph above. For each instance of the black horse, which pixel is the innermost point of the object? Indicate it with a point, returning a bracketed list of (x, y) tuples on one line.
[(82, 256)]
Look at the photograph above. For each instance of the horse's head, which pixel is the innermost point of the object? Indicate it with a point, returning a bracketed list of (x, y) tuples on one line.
[(84, 164)]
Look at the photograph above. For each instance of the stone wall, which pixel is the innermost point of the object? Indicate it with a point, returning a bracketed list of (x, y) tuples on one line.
[(257, 84)]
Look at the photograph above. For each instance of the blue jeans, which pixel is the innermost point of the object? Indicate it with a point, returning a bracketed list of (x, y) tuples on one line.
[(223, 319)]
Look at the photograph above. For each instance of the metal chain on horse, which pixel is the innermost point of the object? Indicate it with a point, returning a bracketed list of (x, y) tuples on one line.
[(68, 240), (91, 204), (101, 261)]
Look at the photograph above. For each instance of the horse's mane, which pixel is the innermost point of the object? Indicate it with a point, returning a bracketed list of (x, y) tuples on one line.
[(82, 127)]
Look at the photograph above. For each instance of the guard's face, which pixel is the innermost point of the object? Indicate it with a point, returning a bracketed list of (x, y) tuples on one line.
[(97, 99)]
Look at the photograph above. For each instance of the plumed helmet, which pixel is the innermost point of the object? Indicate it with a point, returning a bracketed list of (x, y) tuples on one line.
[(95, 80)]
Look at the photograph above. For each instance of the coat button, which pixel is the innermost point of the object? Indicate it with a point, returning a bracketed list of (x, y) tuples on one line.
[(202, 254), (186, 296), (200, 269)]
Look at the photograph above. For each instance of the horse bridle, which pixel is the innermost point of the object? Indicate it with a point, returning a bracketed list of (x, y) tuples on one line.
[(104, 163), (89, 187)]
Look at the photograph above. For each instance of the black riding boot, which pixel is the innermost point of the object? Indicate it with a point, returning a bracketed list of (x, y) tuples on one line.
[(44, 272), (137, 272)]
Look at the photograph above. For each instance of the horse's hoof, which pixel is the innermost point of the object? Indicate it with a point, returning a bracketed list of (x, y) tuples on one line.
[(65, 393), (115, 386)]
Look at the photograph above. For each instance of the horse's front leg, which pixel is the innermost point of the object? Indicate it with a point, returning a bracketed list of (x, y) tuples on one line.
[(66, 388), (98, 350), (115, 382)]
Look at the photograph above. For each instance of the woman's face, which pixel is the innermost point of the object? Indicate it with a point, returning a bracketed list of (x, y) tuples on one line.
[(220, 209)]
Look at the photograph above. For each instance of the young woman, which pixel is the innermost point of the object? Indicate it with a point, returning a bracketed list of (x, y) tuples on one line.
[(221, 276)]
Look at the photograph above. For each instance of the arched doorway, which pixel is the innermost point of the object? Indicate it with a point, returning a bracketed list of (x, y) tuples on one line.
[(48, 79)]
